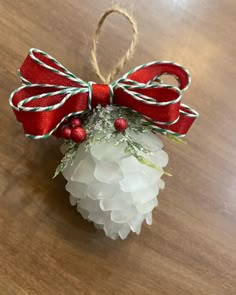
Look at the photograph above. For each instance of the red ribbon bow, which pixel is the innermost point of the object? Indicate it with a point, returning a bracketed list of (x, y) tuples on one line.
[(51, 93)]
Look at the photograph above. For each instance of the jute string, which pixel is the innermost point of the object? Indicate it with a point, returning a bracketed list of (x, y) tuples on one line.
[(129, 53)]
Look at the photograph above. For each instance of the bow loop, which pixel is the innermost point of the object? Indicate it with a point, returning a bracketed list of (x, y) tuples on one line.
[(151, 72), (159, 102), (41, 68)]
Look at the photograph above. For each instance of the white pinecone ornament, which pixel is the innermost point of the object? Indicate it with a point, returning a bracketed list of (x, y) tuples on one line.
[(111, 188)]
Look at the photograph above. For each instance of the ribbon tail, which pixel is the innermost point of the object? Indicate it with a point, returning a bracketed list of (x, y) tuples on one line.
[(187, 117)]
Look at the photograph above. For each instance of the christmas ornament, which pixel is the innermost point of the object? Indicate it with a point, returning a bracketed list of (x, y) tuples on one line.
[(112, 156)]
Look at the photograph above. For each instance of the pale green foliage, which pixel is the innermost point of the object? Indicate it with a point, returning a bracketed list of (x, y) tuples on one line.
[(69, 150), (99, 126)]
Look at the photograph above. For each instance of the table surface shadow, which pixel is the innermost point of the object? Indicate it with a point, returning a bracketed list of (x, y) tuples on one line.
[(45, 246)]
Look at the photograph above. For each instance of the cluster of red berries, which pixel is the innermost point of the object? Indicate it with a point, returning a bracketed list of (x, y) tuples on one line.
[(73, 130)]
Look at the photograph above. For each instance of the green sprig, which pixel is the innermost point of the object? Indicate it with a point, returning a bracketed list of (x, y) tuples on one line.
[(69, 149), (99, 126)]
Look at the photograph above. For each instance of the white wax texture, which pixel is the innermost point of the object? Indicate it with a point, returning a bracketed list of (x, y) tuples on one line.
[(113, 189)]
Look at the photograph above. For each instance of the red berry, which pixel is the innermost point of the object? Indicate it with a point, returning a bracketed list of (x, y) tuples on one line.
[(66, 132), (120, 124), (75, 122), (78, 134)]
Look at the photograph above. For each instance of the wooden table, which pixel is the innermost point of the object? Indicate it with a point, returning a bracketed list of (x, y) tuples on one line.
[(45, 246)]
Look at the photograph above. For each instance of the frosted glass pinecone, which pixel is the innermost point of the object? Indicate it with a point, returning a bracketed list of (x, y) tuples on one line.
[(113, 189)]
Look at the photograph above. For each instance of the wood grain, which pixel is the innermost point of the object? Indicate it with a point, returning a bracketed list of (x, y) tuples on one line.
[(45, 246)]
